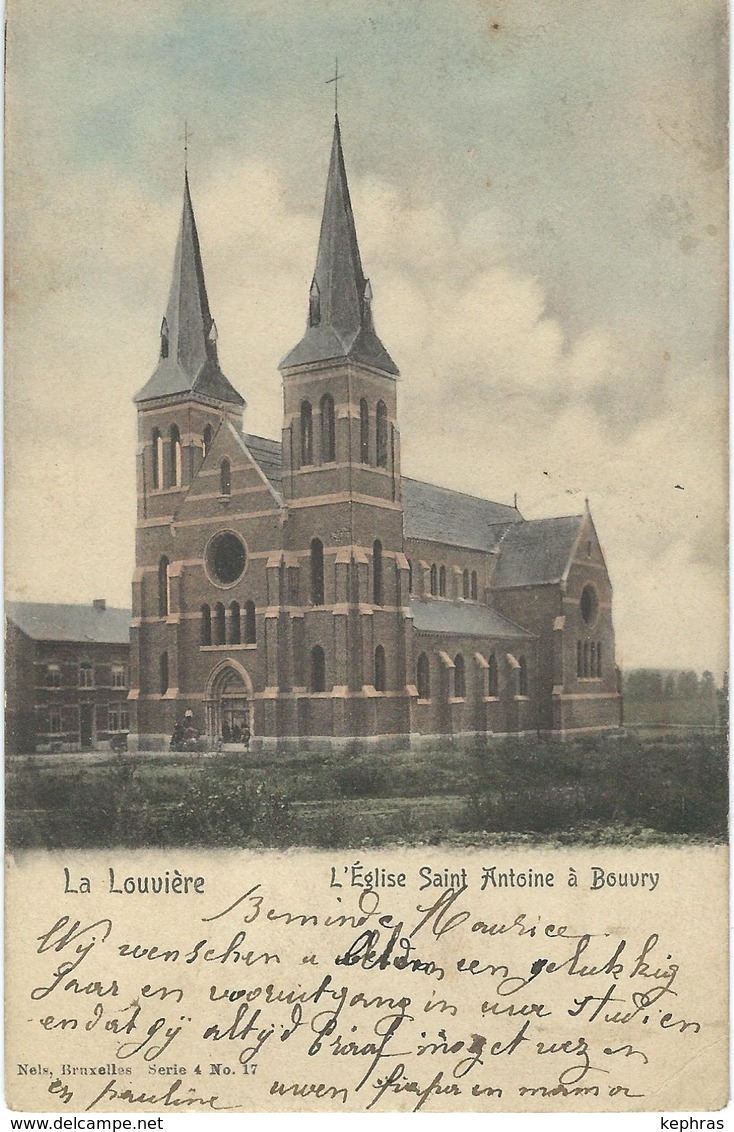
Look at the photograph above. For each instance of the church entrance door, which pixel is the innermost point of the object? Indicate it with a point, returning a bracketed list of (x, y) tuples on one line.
[(229, 707)]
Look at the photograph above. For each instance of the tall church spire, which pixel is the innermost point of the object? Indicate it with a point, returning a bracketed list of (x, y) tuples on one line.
[(340, 316), (188, 361)]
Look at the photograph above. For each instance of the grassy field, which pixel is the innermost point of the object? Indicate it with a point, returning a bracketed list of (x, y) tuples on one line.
[(625, 790)]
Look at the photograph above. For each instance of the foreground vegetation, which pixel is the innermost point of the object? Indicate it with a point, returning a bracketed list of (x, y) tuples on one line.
[(628, 789)]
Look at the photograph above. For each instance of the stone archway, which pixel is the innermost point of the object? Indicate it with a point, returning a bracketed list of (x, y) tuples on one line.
[(229, 715)]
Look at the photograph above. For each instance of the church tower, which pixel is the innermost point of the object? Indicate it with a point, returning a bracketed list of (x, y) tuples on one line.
[(181, 409), (342, 488)]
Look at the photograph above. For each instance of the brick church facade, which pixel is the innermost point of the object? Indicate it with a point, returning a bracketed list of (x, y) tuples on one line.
[(305, 589)]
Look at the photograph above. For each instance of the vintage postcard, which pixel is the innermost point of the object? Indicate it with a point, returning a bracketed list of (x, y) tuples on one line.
[(366, 595)]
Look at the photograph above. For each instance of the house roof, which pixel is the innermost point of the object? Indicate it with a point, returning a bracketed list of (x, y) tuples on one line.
[(464, 619), (442, 515), (188, 361), (536, 552), (42, 621), (340, 314)]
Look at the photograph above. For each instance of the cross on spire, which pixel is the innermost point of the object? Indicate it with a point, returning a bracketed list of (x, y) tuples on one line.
[(185, 139), (335, 81)]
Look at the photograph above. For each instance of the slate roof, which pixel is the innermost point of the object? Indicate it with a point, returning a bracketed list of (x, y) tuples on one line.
[(536, 552), (340, 316), (464, 619), (191, 365), (268, 454), (442, 515), (43, 621)]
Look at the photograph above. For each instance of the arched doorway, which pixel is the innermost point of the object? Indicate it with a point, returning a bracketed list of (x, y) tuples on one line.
[(229, 705)]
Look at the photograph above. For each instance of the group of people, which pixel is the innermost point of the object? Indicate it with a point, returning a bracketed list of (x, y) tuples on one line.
[(186, 735)]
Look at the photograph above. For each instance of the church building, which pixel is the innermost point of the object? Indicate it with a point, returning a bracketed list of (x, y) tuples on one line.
[(305, 591)]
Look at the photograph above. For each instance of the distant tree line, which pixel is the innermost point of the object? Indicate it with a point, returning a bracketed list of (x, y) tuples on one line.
[(681, 688)]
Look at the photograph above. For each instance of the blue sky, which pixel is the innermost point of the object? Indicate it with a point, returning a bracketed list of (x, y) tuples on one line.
[(539, 191)]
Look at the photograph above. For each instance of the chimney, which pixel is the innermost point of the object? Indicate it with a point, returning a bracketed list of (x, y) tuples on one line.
[(100, 604)]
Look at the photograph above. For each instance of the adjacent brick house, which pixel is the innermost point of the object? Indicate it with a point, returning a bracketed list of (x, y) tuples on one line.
[(66, 676), (305, 588)]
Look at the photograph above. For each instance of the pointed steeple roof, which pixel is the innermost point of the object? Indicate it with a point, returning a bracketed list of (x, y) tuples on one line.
[(340, 316), (188, 360)]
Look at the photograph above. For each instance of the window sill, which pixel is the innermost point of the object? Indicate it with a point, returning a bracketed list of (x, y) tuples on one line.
[(225, 648), (423, 701)]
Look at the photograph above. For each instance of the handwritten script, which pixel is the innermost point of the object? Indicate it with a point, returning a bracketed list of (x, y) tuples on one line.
[(418, 981)]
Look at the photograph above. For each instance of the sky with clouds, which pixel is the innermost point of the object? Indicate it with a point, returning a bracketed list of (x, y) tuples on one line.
[(540, 196)]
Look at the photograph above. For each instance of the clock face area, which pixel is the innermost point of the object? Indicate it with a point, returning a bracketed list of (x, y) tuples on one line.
[(225, 559)]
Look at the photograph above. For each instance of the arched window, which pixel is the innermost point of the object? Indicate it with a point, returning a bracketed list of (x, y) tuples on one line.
[(206, 441), (377, 572), (423, 679), (164, 339), (381, 432), (250, 624), (175, 457), (523, 676), (434, 580), (318, 669), (380, 678), (235, 629), (579, 659), (163, 672), (442, 582), (317, 572), (364, 432), (306, 433), (586, 658), (493, 676), (465, 585), (598, 659), (164, 587), (157, 456), (459, 677), (328, 434), (474, 586), (206, 625), (592, 659), (220, 624), (314, 305), (410, 576), (225, 478)]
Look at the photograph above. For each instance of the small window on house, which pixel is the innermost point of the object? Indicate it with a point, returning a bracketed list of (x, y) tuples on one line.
[(54, 722), (523, 676), (164, 587), (328, 433), (474, 586), (53, 676), (410, 576), (318, 669), (442, 582), (118, 676), (377, 572), (250, 624), (235, 629), (465, 585), (434, 580), (381, 434), (175, 457), (317, 572), (306, 433), (206, 441), (493, 676), (598, 659), (225, 478), (86, 675), (206, 625), (380, 678), (118, 718), (364, 432), (163, 672), (220, 624), (423, 677), (157, 458), (459, 677)]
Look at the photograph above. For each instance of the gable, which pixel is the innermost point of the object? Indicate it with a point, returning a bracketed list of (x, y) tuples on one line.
[(536, 552), (247, 482)]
